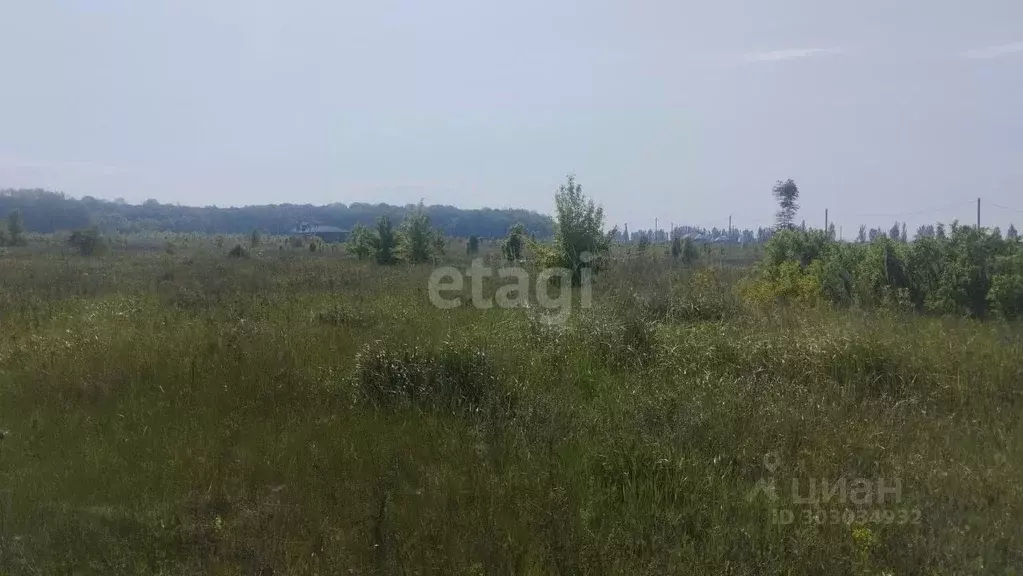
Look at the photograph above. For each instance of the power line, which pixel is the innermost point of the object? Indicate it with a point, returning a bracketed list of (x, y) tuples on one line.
[(1005, 207)]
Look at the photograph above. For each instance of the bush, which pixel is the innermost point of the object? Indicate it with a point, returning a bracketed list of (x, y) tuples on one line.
[(1006, 294), (238, 252), (787, 282), (87, 242), (954, 274)]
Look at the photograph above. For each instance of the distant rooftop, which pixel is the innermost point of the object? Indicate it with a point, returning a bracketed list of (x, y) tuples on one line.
[(309, 228)]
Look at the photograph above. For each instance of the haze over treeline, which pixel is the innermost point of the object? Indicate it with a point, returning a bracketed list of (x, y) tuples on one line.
[(45, 212)]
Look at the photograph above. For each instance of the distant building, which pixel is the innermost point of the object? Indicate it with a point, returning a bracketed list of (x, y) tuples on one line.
[(325, 233)]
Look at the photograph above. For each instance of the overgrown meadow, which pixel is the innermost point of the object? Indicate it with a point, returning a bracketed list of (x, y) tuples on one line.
[(169, 409)]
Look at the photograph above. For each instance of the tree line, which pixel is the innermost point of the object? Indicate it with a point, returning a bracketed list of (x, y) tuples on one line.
[(45, 212)]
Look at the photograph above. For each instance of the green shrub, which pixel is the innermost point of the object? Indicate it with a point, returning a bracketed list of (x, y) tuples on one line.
[(949, 274), (1006, 294), (87, 242)]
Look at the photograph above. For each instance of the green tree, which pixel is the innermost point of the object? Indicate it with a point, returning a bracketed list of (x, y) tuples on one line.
[(1006, 294), (579, 238), (895, 232), (15, 229), (360, 242), (689, 252), (384, 242), (512, 246), (87, 242), (254, 238), (473, 246), (1011, 233), (861, 235), (440, 244), (415, 237), (787, 195), (676, 247)]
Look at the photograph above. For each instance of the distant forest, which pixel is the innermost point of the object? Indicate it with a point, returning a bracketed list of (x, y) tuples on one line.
[(45, 212)]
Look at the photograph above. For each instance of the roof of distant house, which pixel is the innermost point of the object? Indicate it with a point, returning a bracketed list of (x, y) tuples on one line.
[(307, 228)]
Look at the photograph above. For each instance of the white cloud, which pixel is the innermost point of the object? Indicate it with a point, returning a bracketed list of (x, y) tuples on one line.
[(780, 55), (994, 51)]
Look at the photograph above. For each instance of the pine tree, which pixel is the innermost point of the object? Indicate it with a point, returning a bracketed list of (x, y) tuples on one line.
[(787, 195)]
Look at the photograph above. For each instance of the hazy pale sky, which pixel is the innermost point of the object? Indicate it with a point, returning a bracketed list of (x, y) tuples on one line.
[(683, 110)]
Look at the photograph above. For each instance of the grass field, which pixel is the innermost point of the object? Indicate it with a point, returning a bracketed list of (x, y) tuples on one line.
[(182, 412)]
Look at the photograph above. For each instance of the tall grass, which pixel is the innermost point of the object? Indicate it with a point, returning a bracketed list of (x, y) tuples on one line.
[(301, 413)]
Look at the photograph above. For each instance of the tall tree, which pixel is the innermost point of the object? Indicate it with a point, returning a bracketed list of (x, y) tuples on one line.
[(512, 247), (861, 236), (415, 237), (902, 236), (894, 232), (384, 241), (360, 242), (1011, 233), (787, 195), (440, 244), (473, 245), (579, 236)]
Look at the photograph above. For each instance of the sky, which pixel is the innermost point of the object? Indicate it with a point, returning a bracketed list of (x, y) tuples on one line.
[(684, 111)]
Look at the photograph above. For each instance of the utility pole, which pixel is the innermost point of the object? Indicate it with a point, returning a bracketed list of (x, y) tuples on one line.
[(729, 225), (978, 213), (825, 220), (671, 232), (655, 230)]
